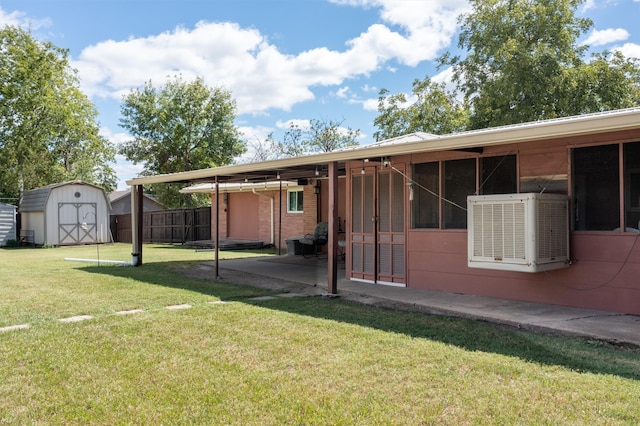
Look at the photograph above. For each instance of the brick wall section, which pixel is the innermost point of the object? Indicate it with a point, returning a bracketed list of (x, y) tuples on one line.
[(293, 224), (223, 217)]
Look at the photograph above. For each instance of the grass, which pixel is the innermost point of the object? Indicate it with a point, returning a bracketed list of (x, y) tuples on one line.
[(281, 361)]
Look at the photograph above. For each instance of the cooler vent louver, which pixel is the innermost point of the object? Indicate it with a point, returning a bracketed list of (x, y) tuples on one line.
[(518, 232)]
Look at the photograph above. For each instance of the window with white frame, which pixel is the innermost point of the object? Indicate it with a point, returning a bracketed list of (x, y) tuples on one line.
[(294, 200)]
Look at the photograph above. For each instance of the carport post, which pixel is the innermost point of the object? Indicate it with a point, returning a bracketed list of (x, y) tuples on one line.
[(136, 225), (216, 241), (332, 263)]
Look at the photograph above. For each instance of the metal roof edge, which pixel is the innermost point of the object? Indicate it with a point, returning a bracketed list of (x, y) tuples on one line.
[(518, 133)]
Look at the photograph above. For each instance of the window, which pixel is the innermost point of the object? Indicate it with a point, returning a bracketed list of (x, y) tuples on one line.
[(425, 196), (632, 185), (294, 201), (498, 175), (457, 180), (596, 188)]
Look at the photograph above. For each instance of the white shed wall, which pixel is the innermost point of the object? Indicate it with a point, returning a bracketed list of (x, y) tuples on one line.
[(34, 221), (66, 213), (7, 224)]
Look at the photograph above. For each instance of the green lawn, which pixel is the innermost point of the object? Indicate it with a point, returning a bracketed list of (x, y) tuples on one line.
[(282, 361)]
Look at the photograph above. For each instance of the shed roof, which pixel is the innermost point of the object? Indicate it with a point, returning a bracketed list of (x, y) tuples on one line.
[(118, 195), (36, 199), (304, 166)]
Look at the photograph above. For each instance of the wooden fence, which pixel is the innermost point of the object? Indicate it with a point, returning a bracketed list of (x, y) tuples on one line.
[(166, 226)]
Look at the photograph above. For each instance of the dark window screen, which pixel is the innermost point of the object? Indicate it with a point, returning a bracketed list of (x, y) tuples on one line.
[(425, 193), (498, 175), (632, 185), (459, 181), (596, 188)]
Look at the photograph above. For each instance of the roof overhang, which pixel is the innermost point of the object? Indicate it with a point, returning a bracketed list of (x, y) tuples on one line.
[(207, 188), (307, 166)]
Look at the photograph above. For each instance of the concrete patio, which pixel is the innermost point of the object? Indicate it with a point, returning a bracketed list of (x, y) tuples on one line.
[(308, 275)]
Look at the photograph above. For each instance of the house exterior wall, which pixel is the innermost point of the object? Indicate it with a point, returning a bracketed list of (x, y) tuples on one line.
[(605, 264), (248, 215)]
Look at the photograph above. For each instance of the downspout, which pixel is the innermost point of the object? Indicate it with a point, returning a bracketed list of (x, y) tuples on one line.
[(272, 233)]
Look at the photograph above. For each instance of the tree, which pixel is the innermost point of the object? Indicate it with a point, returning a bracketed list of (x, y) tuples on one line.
[(178, 127), (434, 111), (524, 63), (318, 136), (48, 127)]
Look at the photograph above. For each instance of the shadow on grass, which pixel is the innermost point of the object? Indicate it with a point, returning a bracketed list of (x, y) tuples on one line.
[(577, 354)]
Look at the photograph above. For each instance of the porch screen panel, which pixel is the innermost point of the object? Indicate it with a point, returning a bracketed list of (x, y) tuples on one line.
[(368, 261), (397, 203), (384, 201), (356, 254), (384, 264), (356, 207), (368, 207), (397, 258), (391, 238)]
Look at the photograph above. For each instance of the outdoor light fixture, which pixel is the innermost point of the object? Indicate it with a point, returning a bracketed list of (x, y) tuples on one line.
[(362, 171), (317, 171), (316, 189), (386, 162)]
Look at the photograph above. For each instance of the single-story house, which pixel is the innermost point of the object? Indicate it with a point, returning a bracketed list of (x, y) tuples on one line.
[(67, 213), (543, 212), (121, 202)]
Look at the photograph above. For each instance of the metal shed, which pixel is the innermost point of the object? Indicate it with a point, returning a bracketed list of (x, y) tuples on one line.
[(68, 213), (7, 223)]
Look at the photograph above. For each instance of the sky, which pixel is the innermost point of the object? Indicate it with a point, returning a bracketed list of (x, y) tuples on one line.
[(282, 60)]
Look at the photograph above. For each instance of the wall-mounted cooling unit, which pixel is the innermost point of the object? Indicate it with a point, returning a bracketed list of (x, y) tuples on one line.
[(518, 232)]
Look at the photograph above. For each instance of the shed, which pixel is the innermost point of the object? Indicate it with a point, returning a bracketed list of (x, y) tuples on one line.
[(67, 213), (7, 223), (121, 202)]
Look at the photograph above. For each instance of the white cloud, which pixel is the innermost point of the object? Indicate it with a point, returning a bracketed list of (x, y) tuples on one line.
[(342, 92), (630, 50), (20, 19), (370, 104), (426, 28), (259, 75), (589, 4), (600, 38)]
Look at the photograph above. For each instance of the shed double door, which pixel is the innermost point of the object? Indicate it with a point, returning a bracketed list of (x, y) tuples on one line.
[(77, 223), (377, 227)]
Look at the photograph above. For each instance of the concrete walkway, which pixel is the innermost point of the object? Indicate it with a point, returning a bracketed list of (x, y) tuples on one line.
[(308, 275)]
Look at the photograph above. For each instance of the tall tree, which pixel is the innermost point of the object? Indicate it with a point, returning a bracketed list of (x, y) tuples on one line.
[(318, 136), (178, 127), (433, 110), (48, 127), (524, 63)]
